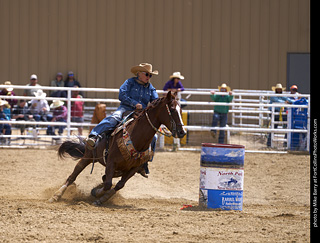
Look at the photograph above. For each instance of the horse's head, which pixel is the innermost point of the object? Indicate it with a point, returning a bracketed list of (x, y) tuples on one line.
[(171, 118)]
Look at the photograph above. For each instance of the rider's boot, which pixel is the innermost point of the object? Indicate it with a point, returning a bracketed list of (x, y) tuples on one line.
[(143, 173), (144, 170), (92, 141)]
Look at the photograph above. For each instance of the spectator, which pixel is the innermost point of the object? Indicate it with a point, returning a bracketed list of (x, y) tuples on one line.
[(33, 82), (294, 92), (60, 114), (221, 112), (4, 128), (9, 92), (281, 111), (21, 112), (71, 81), (77, 109), (7, 111), (39, 107), (58, 82), (174, 84)]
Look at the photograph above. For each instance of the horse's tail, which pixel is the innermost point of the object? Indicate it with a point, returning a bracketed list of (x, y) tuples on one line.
[(75, 149)]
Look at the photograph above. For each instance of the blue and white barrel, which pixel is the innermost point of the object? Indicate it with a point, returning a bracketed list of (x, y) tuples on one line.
[(221, 176)]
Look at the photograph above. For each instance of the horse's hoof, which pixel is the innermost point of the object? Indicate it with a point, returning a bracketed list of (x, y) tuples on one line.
[(107, 195), (97, 203), (53, 199), (93, 192), (97, 192)]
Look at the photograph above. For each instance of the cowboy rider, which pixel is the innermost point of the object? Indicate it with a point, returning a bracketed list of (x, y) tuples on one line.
[(135, 94)]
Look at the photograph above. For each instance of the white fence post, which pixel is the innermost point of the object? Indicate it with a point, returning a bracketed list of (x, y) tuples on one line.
[(69, 114), (272, 125)]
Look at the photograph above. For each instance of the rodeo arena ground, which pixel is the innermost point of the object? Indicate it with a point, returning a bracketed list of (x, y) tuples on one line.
[(181, 200)]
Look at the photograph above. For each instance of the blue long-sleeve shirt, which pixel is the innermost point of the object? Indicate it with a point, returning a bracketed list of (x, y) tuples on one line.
[(279, 99), (132, 93)]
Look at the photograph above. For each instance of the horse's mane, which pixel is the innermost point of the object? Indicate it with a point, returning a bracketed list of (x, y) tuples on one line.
[(151, 106)]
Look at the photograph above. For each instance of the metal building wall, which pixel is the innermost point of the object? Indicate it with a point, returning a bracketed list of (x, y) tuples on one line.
[(241, 42)]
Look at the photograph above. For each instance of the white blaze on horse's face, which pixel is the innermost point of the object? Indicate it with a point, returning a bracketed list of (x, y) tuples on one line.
[(179, 114)]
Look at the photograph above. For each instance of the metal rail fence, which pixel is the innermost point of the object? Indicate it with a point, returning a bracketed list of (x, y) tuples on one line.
[(250, 112)]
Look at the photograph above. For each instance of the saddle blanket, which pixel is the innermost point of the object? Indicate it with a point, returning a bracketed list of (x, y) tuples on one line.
[(127, 148)]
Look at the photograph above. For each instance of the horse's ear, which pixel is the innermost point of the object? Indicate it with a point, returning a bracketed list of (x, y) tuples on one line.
[(169, 96)]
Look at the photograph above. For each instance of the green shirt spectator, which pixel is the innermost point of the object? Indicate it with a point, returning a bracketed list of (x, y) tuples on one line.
[(220, 115)]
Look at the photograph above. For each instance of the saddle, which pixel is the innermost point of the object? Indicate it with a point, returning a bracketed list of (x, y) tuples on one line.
[(127, 148), (125, 144)]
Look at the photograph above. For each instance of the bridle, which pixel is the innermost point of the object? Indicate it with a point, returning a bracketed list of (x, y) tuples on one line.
[(172, 123)]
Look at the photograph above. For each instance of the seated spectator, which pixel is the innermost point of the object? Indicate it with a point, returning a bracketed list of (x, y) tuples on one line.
[(21, 112), (60, 114), (77, 109), (7, 111), (39, 107), (71, 81), (58, 82), (33, 82), (9, 92), (4, 128), (174, 84)]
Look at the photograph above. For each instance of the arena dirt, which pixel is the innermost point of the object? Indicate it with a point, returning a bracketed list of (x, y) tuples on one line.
[(275, 209)]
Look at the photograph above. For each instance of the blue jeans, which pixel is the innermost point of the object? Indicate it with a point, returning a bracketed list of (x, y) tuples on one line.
[(222, 119), (51, 129), (5, 127), (109, 123)]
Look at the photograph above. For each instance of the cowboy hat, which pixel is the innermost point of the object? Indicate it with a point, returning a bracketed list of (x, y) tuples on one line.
[(33, 76), (224, 86), (56, 104), (3, 102), (8, 83), (177, 75), (40, 94), (278, 86), (144, 67)]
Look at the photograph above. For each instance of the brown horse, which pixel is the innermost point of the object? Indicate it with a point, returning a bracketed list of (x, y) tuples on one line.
[(122, 160)]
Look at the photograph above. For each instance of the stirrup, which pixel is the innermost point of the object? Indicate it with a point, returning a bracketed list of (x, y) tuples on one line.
[(93, 141)]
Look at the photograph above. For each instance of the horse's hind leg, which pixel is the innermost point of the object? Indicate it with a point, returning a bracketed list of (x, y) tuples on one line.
[(83, 163)]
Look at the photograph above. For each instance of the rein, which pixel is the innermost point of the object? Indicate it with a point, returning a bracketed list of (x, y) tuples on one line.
[(173, 124)]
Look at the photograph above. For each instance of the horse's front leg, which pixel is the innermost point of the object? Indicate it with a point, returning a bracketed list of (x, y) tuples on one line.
[(118, 186), (83, 163), (109, 172)]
